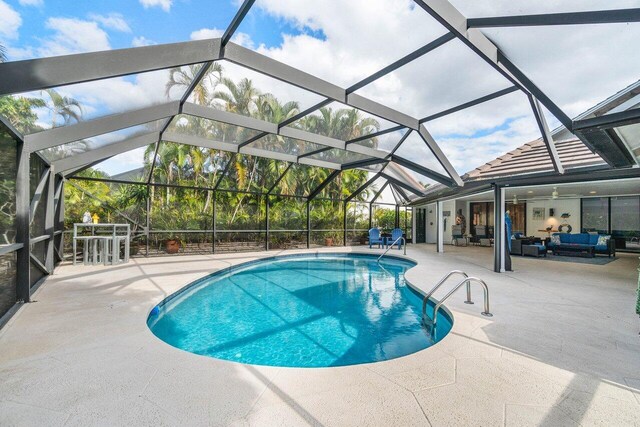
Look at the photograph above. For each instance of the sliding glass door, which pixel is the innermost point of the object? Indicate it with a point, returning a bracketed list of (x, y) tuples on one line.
[(625, 222), (617, 216)]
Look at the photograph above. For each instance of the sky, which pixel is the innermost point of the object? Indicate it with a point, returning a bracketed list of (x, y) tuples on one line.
[(343, 42)]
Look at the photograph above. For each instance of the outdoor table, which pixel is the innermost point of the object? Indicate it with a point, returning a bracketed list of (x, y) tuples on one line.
[(103, 244)]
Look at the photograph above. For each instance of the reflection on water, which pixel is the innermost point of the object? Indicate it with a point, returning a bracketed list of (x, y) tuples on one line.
[(301, 311)]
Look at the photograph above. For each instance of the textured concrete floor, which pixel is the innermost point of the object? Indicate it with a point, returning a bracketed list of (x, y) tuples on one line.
[(561, 350)]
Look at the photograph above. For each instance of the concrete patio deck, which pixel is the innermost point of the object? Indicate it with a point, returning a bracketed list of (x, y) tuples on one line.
[(562, 349)]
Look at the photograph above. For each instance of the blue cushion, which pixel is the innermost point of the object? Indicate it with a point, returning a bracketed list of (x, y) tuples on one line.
[(601, 247), (593, 239), (565, 238), (581, 238)]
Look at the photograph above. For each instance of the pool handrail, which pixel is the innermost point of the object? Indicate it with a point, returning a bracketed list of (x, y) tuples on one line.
[(404, 245), (440, 283), (466, 280)]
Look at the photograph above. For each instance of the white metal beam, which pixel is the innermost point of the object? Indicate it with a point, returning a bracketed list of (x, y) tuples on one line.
[(272, 128), (265, 65), (211, 113), (445, 13), (233, 148), (312, 137), (45, 73), (546, 134), (380, 110), (91, 156), (79, 131), (198, 141), (435, 149)]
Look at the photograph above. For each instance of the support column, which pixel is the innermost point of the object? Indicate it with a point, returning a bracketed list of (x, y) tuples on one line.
[(148, 221), (308, 225), (213, 241), (439, 227), (23, 256), (344, 224), (397, 219), (413, 225), (499, 255), (49, 220), (266, 222), (370, 216), (60, 219)]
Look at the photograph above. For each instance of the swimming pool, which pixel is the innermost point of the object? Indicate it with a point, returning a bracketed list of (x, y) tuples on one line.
[(300, 311)]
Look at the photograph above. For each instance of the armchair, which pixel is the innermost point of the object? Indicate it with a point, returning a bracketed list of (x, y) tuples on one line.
[(374, 238)]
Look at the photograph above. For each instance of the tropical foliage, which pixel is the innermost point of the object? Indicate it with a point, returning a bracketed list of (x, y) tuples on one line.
[(185, 175)]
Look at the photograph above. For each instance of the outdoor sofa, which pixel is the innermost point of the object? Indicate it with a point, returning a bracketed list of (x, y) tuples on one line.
[(582, 244)]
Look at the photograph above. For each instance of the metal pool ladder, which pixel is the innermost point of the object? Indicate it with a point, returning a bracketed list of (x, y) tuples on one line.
[(467, 280), (404, 246)]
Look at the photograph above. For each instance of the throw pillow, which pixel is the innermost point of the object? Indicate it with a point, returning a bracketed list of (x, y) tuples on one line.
[(555, 239), (603, 240)]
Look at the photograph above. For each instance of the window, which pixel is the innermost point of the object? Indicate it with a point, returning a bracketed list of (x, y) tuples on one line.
[(595, 215)]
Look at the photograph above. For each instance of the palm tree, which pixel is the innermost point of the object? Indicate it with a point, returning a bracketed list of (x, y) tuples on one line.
[(238, 98), (181, 78), (200, 167), (64, 107)]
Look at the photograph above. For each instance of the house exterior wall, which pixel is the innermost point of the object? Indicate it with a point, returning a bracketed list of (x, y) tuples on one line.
[(560, 206)]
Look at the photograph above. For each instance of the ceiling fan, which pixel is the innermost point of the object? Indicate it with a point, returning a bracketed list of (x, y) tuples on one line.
[(555, 195)]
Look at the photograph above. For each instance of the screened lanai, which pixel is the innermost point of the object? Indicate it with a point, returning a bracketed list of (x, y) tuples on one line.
[(226, 145)]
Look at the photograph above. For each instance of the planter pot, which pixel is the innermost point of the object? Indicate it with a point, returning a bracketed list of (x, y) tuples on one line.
[(134, 249), (172, 246), (328, 241)]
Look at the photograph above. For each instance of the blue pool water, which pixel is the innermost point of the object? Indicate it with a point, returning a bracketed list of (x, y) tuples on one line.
[(302, 311)]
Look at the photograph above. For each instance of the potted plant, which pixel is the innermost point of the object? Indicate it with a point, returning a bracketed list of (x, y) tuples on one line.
[(328, 241), (172, 245)]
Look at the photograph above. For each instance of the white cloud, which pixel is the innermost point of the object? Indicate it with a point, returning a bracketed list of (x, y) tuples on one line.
[(207, 33), (10, 21), (123, 162), (73, 36), (163, 4), (112, 21), (243, 39), (141, 41), (37, 3), (577, 66)]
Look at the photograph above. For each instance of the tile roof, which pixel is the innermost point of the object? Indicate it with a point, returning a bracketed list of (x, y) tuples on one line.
[(530, 158), (533, 157)]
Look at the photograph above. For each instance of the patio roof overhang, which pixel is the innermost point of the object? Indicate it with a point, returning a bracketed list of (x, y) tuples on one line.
[(587, 174), (37, 74)]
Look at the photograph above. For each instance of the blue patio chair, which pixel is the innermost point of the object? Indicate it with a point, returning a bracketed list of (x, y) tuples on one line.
[(395, 234), (374, 238)]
